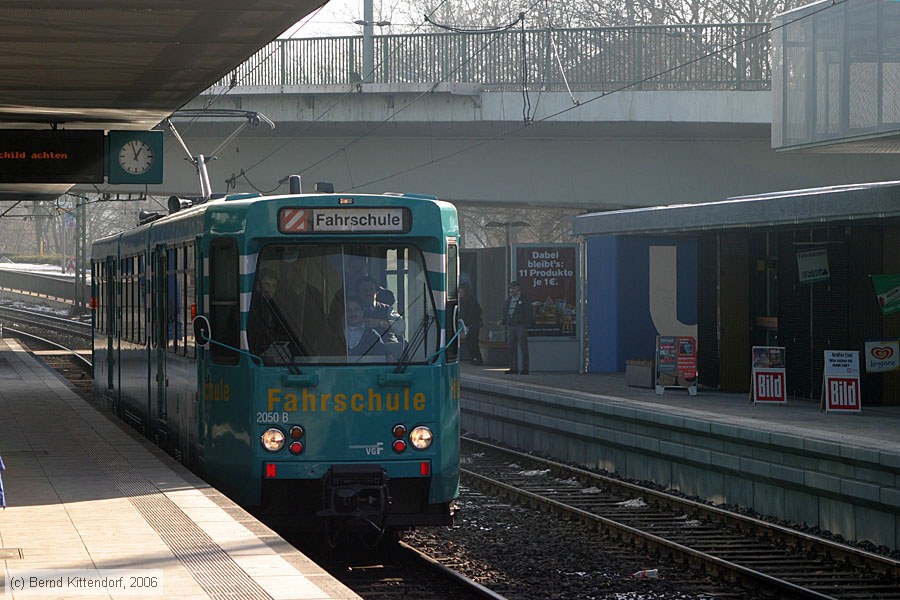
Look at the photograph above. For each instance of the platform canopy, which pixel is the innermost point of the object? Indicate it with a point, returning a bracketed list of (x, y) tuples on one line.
[(122, 64), (858, 202)]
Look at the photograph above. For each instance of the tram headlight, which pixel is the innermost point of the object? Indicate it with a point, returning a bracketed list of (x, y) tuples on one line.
[(272, 439), (421, 437)]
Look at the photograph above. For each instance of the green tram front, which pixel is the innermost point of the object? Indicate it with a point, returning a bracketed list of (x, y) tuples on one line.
[(331, 383)]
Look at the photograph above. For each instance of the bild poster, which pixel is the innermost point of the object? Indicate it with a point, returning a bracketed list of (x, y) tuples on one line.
[(547, 276)]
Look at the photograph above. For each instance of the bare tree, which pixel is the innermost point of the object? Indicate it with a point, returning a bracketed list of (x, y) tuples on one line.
[(597, 13), (544, 225)]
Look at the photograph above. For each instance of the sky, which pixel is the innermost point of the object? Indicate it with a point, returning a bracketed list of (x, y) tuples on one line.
[(336, 19)]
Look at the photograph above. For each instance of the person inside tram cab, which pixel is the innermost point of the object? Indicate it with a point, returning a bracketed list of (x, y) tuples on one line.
[(361, 339), (378, 315), (355, 268), (303, 305), (268, 330)]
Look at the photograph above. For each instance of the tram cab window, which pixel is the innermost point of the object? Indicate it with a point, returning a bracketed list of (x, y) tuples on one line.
[(299, 310), (224, 298)]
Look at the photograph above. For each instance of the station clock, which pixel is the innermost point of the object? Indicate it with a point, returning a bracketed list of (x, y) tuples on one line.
[(134, 157)]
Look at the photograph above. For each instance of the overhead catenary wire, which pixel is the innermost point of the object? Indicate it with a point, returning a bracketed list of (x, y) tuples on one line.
[(413, 101), (352, 89), (505, 134), (562, 70), (598, 97)]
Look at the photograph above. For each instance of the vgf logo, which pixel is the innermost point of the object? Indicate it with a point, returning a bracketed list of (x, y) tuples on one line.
[(371, 449)]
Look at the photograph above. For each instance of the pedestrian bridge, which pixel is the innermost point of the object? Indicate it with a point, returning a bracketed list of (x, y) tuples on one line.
[(597, 119)]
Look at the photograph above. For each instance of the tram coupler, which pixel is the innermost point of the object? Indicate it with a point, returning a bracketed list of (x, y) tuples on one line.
[(355, 492)]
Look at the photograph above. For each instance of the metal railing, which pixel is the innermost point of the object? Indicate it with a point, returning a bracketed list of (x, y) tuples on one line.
[(672, 58)]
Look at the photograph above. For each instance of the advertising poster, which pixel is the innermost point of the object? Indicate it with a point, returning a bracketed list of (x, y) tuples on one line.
[(769, 384), (841, 389), (813, 265), (547, 275), (887, 292), (676, 363), (882, 356)]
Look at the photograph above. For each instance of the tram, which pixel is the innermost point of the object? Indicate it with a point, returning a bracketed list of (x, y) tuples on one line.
[(299, 351)]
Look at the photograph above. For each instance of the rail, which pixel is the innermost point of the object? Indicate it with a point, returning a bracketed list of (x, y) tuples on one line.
[(716, 57)]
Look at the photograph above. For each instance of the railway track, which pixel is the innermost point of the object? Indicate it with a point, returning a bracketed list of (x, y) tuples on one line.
[(399, 570), (40, 321), (689, 538), (396, 570), (761, 557)]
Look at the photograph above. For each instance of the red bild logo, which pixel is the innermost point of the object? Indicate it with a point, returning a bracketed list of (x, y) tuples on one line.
[(770, 386)]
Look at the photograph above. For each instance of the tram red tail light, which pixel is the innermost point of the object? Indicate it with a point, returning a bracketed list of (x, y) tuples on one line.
[(424, 468), (399, 446), (271, 470), (93, 303), (296, 447)]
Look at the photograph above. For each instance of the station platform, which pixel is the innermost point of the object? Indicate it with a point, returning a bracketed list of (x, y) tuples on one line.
[(875, 426), (793, 461), (96, 511)]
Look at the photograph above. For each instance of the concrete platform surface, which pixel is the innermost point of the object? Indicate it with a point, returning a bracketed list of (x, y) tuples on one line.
[(875, 427), (95, 511)]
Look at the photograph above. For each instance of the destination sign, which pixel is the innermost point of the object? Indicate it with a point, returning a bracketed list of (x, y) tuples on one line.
[(51, 156), (344, 220)]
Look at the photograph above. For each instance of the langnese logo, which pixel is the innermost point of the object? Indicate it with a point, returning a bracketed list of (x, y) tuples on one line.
[(882, 352)]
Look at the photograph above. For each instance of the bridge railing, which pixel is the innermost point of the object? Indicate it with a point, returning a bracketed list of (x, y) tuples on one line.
[(733, 56)]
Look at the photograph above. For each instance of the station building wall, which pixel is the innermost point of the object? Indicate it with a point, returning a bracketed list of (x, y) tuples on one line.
[(633, 295)]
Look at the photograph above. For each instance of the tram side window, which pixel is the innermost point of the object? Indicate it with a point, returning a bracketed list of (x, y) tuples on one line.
[(190, 299), (121, 290), (125, 283), (129, 298), (135, 300), (224, 296), (154, 292), (125, 295), (452, 300), (142, 301), (173, 301), (99, 290)]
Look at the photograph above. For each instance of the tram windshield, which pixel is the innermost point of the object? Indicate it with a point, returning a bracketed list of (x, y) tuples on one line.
[(342, 304)]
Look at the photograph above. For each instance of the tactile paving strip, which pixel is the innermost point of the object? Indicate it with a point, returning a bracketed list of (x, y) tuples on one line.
[(209, 565)]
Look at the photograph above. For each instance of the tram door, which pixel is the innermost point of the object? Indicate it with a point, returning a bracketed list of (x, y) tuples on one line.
[(158, 378)]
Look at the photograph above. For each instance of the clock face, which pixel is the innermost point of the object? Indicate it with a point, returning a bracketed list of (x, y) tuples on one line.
[(135, 157)]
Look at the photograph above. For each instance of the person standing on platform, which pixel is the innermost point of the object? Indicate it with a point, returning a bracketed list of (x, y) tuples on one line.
[(470, 313), (517, 318)]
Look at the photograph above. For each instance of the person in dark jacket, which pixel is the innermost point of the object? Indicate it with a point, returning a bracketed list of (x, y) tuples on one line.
[(517, 318), (470, 313), (361, 339)]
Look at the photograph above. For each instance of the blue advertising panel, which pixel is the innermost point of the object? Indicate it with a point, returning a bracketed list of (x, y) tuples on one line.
[(638, 287)]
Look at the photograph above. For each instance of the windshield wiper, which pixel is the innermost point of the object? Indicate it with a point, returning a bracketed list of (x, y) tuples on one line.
[(283, 352), (415, 342)]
